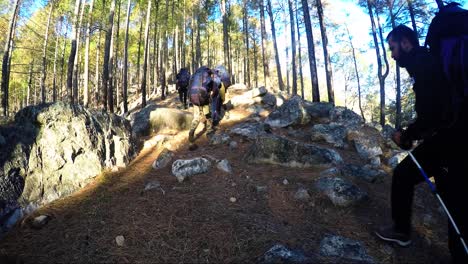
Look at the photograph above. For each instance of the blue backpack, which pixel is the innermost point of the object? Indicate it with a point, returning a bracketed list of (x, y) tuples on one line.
[(447, 38)]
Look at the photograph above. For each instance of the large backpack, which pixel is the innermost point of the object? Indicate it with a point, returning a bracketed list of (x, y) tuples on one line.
[(201, 85), (183, 78), (223, 75), (447, 38)]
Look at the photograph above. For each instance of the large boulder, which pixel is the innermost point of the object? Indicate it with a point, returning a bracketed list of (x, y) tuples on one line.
[(319, 111), (250, 130), (345, 116), (292, 112), (53, 150), (152, 118), (289, 153), (258, 92), (339, 191), (333, 133), (367, 141)]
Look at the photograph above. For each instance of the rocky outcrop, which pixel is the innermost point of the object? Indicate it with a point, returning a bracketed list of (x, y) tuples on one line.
[(152, 118), (53, 150), (289, 153), (292, 112)]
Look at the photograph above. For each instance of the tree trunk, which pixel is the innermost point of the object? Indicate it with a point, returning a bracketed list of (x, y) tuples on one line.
[(62, 65), (6, 58), (76, 69), (86, 65), (273, 33), (156, 50), (183, 37), (139, 52), (145, 57), (293, 48), (301, 76), (380, 75), (397, 68), (326, 55), (71, 58), (44, 55), (115, 58), (247, 48), (412, 17), (357, 74), (54, 84), (125, 64), (107, 81), (192, 49), (311, 49), (28, 99), (224, 7), (266, 69), (255, 59), (96, 76), (198, 42)]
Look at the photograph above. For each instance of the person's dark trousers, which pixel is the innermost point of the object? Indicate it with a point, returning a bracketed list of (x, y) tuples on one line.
[(432, 156), (183, 96), (456, 186)]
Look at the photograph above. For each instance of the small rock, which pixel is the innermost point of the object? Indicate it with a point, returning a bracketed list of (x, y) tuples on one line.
[(332, 172), (375, 162), (120, 240), (261, 91), (302, 194), (232, 145), (281, 254), (261, 189), (285, 182), (340, 191), (40, 221), (233, 199), (186, 168), (233, 184), (152, 185), (164, 158), (224, 166), (344, 249), (219, 138)]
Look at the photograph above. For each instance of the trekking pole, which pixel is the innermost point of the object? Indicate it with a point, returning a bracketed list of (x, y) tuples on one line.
[(434, 191)]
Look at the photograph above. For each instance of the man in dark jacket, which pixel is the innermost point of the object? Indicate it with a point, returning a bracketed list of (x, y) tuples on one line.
[(200, 91), (432, 107), (182, 83)]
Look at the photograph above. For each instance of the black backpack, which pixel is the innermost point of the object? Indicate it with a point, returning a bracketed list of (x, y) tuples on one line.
[(183, 78), (447, 38)]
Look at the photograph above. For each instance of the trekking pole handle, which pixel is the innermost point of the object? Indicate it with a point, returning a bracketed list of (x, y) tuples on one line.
[(433, 189)]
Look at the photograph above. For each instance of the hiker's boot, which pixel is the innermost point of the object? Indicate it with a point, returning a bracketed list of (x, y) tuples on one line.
[(192, 146), (191, 136), (390, 234)]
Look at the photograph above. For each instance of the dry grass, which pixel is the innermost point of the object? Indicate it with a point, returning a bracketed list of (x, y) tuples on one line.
[(194, 221)]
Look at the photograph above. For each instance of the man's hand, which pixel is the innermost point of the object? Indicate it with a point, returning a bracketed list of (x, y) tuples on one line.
[(396, 137), (402, 142)]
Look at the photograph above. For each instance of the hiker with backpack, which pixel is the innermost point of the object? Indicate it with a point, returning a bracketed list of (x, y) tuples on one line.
[(200, 92), (434, 126), (182, 83), (221, 81)]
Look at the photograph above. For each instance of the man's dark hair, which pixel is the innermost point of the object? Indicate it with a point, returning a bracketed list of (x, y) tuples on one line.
[(400, 32)]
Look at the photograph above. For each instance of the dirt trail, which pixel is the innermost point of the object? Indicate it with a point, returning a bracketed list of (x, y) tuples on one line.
[(195, 221)]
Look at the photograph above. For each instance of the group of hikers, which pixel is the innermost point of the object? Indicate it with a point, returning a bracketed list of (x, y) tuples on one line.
[(206, 90), (439, 71)]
